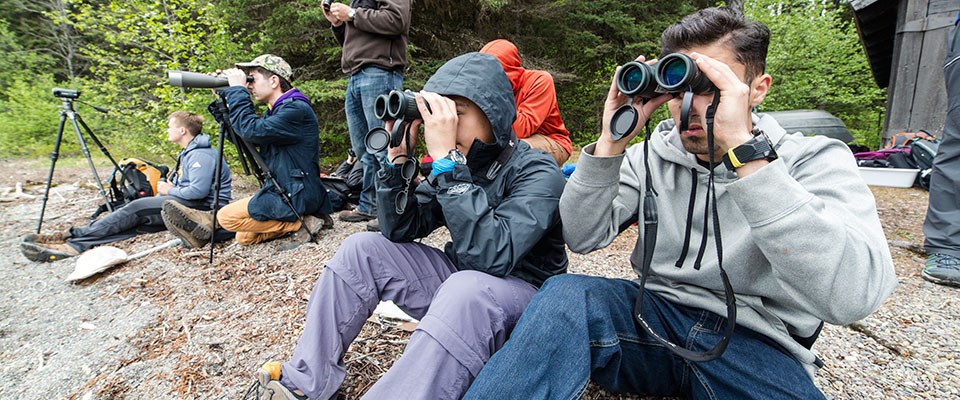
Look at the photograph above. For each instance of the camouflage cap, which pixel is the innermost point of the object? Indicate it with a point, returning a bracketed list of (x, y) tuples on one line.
[(270, 63)]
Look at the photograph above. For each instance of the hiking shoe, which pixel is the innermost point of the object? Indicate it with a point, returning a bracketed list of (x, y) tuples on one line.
[(47, 252), (267, 385), (327, 221), (56, 237), (373, 225), (191, 226), (355, 216), (942, 269)]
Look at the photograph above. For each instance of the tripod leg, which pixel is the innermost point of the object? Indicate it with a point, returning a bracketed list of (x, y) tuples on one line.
[(53, 163), (103, 149), (86, 153), (216, 191)]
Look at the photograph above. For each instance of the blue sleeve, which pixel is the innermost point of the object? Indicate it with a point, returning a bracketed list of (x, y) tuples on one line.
[(283, 127), (198, 170)]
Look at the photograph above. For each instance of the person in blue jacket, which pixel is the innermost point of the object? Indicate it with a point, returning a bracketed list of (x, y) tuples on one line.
[(189, 185), (288, 140)]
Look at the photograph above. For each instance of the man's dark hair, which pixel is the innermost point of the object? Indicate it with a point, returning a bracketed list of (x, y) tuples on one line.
[(284, 84), (721, 25)]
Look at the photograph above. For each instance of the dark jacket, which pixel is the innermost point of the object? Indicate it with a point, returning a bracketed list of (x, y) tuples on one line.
[(193, 179), (377, 36), (508, 225), (288, 139)]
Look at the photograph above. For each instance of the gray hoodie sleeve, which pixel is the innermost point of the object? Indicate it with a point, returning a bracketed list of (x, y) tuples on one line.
[(197, 178), (817, 225), (603, 194)]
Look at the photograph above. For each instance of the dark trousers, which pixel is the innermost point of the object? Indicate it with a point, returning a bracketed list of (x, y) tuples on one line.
[(140, 216), (942, 225)]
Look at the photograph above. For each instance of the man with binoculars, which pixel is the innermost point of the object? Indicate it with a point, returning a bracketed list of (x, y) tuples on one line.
[(288, 140), (802, 243), (497, 197)]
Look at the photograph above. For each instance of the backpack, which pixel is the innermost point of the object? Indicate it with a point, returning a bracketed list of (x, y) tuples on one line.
[(922, 151), (132, 179)]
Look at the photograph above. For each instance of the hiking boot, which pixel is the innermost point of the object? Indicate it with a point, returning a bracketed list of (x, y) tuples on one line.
[(267, 385), (47, 252), (56, 237), (355, 216), (942, 269), (373, 225), (327, 221), (191, 226)]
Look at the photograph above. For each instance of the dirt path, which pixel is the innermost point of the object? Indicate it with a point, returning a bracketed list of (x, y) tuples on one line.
[(173, 326)]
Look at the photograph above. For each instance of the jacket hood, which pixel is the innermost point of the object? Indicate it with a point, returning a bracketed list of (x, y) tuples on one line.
[(201, 141), (508, 55), (480, 79)]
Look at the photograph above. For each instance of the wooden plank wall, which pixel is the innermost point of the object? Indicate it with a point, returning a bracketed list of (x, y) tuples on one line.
[(916, 97)]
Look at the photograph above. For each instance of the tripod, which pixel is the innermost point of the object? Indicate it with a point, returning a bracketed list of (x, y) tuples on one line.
[(245, 152), (67, 112)]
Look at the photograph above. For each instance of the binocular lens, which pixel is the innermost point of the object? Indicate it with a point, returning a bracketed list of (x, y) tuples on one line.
[(673, 72), (403, 105), (634, 79)]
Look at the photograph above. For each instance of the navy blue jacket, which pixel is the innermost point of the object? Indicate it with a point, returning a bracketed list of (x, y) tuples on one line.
[(193, 181), (288, 139), (507, 225)]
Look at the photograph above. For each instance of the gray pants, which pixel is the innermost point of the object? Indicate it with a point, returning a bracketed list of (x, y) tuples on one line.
[(140, 216), (465, 316), (942, 225)]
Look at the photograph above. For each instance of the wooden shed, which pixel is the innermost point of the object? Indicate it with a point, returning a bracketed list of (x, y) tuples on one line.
[(905, 42)]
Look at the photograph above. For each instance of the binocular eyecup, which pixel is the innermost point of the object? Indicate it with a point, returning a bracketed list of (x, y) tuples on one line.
[(397, 105)]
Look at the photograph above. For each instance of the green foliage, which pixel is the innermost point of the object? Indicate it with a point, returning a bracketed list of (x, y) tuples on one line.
[(817, 62), (126, 48)]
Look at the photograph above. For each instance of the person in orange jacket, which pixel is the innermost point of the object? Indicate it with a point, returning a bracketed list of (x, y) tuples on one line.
[(538, 117)]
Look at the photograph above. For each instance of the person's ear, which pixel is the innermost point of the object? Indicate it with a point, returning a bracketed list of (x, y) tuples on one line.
[(275, 81), (759, 88)]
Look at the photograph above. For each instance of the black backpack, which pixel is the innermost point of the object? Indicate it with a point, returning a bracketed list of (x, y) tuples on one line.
[(133, 179), (922, 151)]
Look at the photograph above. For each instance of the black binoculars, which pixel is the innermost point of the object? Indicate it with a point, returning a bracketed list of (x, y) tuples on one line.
[(674, 74), (326, 5), (397, 105)]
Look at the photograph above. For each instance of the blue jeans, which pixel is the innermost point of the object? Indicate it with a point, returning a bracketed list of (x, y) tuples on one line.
[(363, 87), (579, 328)]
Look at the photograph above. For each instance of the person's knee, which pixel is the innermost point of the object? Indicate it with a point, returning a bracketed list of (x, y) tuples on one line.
[(465, 290), (230, 218)]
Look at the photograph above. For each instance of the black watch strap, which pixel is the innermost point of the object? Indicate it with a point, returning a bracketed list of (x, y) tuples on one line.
[(754, 149)]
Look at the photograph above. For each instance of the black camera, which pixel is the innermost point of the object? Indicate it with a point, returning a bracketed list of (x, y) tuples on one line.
[(197, 80), (66, 93), (326, 5)]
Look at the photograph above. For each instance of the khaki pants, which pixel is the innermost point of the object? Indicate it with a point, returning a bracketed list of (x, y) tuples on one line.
[(541, 142), (234, 217)]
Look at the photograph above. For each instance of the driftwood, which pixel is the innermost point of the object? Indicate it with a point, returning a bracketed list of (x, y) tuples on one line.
[(908, 246)]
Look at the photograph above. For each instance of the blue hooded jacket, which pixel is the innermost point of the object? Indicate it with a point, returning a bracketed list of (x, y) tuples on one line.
[(505, 225), (193, 182), (288, 139)]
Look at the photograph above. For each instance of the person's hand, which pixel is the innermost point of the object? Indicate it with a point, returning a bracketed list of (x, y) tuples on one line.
[(163, 187), (339, 11), (397, 155), (236, 77), (330, 17), (732, 123), (606, 146), (440, 122)]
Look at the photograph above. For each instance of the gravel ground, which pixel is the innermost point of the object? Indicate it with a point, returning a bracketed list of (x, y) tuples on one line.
[(174, 326)]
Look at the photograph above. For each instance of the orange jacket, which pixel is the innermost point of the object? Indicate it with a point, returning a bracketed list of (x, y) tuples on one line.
[(536, 97)]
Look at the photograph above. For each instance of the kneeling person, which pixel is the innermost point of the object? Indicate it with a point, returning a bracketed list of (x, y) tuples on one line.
[(498, 198), (288, 139), (190, 185)]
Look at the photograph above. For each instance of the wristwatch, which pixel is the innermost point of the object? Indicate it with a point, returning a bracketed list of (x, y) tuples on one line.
[(754, 149), (456, 156), (352, 13)]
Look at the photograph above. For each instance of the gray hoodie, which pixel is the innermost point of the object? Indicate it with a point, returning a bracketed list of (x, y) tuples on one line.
[(194, 179), (802, 242)]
